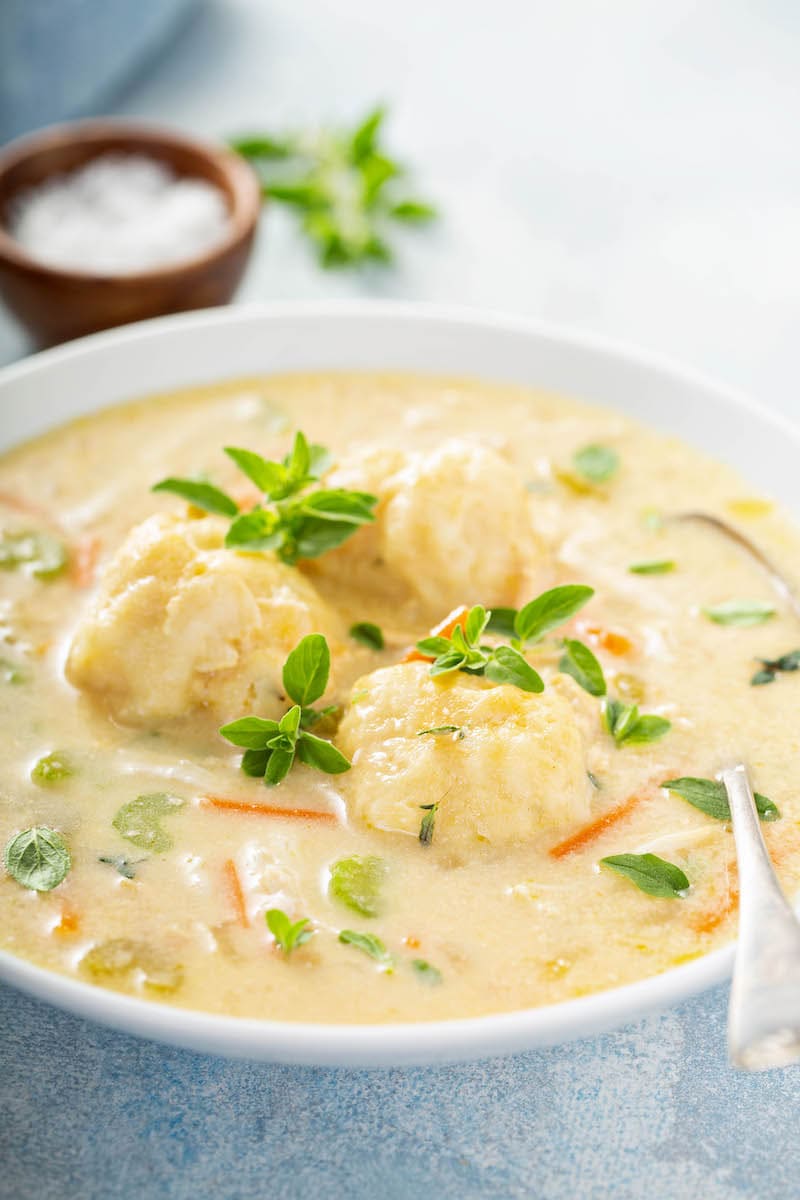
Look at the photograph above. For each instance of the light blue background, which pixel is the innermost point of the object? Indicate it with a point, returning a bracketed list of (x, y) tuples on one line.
[(627, 166)]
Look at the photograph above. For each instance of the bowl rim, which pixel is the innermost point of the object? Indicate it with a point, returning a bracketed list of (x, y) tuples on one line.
[(243, 194), (391, 1044)]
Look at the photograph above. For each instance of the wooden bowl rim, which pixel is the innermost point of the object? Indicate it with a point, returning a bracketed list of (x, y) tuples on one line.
[(243, 195)]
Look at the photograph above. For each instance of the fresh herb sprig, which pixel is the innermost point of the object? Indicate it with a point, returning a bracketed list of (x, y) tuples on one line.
[(628, 726), (428, 823), (710, 797), (369, 944), (295, 519), (288, 936), (463, 649), (342, 185), (271, 747), (651, 874), (771, 667), (741, 613)]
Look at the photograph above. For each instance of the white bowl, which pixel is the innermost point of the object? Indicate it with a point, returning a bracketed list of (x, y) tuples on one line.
[(178, 351)]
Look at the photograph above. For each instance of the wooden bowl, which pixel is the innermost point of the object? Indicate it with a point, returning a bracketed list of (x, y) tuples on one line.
[(55, 304)]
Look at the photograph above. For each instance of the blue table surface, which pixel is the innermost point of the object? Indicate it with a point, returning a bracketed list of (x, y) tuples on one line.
[(626, 167), (651, 1110)]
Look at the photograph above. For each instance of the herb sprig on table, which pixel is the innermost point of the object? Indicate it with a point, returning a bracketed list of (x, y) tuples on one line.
[(345, 189), (295, 518)]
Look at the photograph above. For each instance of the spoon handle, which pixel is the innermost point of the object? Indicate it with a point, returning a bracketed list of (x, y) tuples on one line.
[(764, 1011)]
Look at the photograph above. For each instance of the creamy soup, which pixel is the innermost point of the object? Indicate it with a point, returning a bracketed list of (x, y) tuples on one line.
[(470, 825)]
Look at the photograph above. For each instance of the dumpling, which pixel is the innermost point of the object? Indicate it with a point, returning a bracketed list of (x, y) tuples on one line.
[(515, 767), (183, 624), (437, 534)]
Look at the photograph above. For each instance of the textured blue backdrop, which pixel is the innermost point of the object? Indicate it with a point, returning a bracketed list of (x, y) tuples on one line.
[(653, 1110)]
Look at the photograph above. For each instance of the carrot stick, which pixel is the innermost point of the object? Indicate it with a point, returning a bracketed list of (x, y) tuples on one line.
[(236, 894), (589, 833), (444, 629), (68, 922), (222, 804), (83, 560)]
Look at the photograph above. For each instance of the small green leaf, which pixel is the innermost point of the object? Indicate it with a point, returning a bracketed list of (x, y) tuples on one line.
[(596, 463), (710, 796), (445, 663), (278, 766), (742, 613), (10, 672), (443, 729), (261, 146), (368, 944), (139, 821), (52, 768), (507, 665), (365, 137), (762, 676), (200, 494), (306, 670), (628, 726), (43, 554), (357, 882), (654, 566), (321, 754), (651, 874), (413, 211), (367, 634), (256, 531), (579, 662), (428, 822), (501, 622), (288, 936), (426, 972), (269, 477), (549, 610), (475, 624), (770, 667), (254, 763), (122, 865), (251, 733), (38, 858)]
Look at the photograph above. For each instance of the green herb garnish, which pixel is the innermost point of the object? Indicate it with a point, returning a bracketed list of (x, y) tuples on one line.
[(771, 667), (426, 972), (596, 463), (710, 797), (654, 566), (38, 858), (288, 936), (579, 662), (343, 186), (628, 726), (367, 634), (357, 882), (463, 650), (139, 821), (10, 672), (428, 822), (295, 520), (52, 768), (651, 874), (743, 613), (122, 865), (437, 729), (43, 554), (368, 944), (271, 747)]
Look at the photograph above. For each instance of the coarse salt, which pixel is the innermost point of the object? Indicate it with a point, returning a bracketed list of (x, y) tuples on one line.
[(117, 215)]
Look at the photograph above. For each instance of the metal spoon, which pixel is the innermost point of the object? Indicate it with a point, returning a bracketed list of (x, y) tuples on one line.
[(764, 1008)]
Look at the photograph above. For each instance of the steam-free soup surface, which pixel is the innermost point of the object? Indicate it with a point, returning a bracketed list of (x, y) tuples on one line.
[(120, 666)]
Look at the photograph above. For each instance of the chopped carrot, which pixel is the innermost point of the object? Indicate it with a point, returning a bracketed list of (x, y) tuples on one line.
[(711, 919), (83, 560), (266, 810), (236, 894), (412, 942), (68, 921), (444, 629), (589, 833), (28, 507), (608, 639)]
